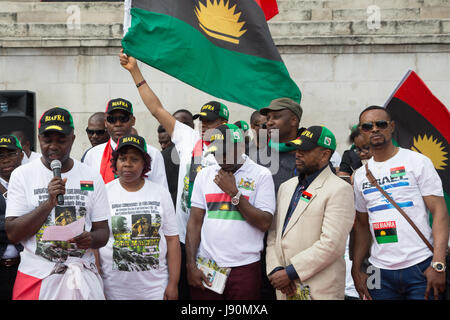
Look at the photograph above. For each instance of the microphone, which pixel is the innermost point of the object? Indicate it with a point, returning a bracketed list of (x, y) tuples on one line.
[(55, 165)]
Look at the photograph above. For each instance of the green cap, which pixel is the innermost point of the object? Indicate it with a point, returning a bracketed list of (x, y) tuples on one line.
[(281, 104), (313, 137), (224, 135), (243, 125)]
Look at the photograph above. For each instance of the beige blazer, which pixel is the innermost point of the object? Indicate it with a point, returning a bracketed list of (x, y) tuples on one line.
[(314, 239)]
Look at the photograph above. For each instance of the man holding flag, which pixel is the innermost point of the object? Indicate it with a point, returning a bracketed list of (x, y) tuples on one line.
[(189, 144)]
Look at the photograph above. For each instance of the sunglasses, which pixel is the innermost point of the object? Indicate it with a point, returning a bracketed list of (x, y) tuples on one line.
[(122, 119), (381, 124), (97, 132)]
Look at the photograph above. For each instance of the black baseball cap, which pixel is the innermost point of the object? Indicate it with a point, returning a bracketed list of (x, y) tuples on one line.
[(213, 110), (314, 136), (132, 140), (119, 104), (10, 142), (281, 104), (56, 119)]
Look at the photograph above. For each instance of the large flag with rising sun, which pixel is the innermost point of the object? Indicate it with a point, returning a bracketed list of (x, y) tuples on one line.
[(222, 47), (422, 124)]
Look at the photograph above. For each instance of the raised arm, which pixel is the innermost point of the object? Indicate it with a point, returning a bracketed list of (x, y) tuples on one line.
[(149, 98)]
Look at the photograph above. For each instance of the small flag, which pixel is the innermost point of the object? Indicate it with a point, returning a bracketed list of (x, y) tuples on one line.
[(398, 172), (306, 196), (87, 185), (385, 232)]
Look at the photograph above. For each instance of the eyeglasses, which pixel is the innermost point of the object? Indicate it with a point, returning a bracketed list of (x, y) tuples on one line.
[(122, 119), (9, 155), (97, 132), (381, 124)]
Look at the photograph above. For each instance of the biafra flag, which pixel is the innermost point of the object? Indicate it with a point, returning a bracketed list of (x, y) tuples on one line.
[(222, 47), (422, 124), (220, 207)]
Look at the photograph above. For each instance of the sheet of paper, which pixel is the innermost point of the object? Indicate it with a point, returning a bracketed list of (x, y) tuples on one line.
[(64, 233)]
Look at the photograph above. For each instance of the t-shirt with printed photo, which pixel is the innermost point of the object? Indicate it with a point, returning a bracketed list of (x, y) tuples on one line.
[(134, 263), (85, 197), (407, 177)]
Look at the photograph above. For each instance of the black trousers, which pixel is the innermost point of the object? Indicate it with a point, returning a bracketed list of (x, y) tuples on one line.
[(183, 287), (7, 279)]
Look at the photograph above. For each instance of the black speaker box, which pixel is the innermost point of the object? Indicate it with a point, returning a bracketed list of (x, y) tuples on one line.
[(18, 112)]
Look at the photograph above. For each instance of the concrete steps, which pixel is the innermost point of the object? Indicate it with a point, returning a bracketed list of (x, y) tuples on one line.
[(300, 22)]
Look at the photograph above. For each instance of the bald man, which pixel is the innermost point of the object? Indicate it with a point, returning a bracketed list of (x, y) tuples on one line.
[(96, 130)]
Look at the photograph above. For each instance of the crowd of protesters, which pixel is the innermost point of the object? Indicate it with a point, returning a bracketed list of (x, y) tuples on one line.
[(267, 205)]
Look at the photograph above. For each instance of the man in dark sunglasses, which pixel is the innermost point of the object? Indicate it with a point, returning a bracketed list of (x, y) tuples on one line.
[(96, 130), (407, 267), (119, 121)]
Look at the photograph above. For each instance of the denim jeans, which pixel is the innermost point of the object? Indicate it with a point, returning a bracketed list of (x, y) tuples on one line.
[(403, 284)]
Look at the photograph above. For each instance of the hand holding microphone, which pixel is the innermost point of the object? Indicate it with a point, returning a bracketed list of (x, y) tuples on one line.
[(56, 187)]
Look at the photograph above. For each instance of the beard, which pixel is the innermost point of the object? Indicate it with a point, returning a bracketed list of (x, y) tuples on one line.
[(380, 141), (307, 170)]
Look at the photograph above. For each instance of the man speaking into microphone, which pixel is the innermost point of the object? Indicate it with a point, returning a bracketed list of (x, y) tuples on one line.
[(49, 261)]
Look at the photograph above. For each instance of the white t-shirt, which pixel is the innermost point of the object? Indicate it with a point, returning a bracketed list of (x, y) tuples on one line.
[(28, 189), (185, 138), (406, 177), (134, 261), (33, 156), (157, 174), (226, 237), (336, 159), (11, 251)]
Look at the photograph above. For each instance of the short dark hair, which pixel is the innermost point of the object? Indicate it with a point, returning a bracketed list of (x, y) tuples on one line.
[(355, 132), (116, 153), (161, 129), (183, 110), (375, 108), (255, 116)]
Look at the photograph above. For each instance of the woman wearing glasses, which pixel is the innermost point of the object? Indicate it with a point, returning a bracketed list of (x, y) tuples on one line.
[(357, 156)]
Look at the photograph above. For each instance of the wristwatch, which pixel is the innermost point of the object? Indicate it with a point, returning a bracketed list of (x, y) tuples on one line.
[(235, 199), (438, 266)]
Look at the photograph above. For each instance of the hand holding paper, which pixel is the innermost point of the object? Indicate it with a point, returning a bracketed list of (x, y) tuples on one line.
[(64, 233)]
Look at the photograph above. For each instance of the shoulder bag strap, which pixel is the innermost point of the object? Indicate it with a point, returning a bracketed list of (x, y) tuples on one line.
[(373, 181)]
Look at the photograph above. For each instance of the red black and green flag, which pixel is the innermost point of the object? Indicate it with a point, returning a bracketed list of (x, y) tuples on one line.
[(220, 207), (385, 232), (222, 47), (87, 185), (422, 124)]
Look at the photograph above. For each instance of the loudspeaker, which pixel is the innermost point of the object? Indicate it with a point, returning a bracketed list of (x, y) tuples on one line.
[(18, 112)]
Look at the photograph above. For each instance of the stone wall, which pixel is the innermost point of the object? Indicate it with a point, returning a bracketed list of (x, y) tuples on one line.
[(342, 57)]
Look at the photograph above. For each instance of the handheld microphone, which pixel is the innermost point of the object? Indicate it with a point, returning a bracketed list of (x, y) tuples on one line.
[(55, 165)]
